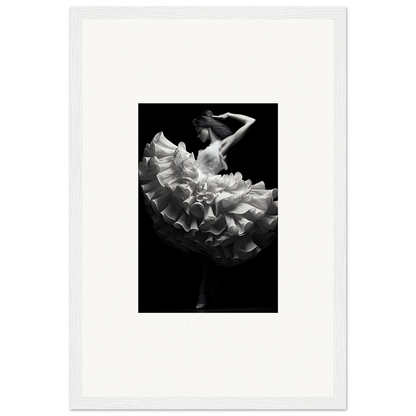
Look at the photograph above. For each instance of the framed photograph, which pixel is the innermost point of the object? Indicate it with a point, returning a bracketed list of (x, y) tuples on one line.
[(207, 208)]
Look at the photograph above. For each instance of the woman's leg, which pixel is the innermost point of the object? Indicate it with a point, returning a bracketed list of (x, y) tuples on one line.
[(204, 260), (202, 298)]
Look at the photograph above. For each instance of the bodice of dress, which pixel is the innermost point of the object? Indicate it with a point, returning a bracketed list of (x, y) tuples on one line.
[(210, 160)]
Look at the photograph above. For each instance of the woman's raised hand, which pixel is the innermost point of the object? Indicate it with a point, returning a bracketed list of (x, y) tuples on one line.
[(222, 116)]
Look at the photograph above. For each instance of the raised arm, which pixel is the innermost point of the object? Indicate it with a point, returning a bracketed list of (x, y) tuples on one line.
[(239, 134)]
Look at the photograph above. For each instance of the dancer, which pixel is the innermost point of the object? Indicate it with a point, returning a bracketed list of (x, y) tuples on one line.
[(223, 218)]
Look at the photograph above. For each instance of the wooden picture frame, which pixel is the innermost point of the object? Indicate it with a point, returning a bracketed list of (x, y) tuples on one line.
[(106, 61)]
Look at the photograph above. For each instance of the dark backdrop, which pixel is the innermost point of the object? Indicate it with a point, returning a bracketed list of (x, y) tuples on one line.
[(169, 278)]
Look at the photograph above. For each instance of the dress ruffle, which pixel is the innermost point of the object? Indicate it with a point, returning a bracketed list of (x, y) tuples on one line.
[(222, 216)]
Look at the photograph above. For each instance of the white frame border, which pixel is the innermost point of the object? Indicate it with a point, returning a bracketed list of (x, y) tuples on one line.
[(74, 13)]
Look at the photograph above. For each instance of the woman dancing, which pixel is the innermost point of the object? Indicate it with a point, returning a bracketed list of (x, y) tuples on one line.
[(222, 217)]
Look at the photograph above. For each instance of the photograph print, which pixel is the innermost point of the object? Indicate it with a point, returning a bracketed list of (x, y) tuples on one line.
[(208, 183)]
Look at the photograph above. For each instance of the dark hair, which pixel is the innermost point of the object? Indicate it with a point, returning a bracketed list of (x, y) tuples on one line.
[(205, 120)]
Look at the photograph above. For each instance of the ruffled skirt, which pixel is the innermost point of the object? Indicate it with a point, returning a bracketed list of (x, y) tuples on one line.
[(222, 216)]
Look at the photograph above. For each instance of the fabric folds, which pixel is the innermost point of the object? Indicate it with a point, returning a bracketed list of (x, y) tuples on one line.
[(221, 216)]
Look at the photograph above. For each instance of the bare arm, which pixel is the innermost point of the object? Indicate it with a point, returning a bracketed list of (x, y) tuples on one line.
[(239, 134)]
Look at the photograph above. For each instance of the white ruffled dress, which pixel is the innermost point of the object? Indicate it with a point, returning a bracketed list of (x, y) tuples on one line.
[(193, 208)]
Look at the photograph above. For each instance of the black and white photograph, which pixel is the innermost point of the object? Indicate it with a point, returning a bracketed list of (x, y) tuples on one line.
[(208, 209), (208, 179)]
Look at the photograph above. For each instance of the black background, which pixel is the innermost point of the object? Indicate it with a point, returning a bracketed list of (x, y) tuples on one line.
[(169, 278)]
